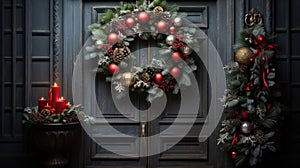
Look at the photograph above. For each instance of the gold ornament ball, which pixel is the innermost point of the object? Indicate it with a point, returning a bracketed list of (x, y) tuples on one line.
[(243, 55), (127, 79)]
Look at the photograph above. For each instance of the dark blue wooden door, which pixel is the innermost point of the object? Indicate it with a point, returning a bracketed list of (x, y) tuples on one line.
[(188, 152)]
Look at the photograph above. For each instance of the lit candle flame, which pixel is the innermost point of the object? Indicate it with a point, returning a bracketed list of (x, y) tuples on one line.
[(42, 98), (55, 84), (62, 98), (68, 103)]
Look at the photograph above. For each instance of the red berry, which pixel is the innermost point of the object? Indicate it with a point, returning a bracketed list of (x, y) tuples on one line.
[(260, 37), (172, 30)]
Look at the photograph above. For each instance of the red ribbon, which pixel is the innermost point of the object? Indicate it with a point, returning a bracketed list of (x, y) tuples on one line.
[(269, 106), (235, 139), (261, 44), (264, 71)]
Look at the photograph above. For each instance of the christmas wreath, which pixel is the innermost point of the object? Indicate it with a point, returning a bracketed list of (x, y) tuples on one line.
[(157, 20), (252, 112)]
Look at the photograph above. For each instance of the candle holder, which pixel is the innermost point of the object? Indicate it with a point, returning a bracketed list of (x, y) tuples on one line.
[(54, 143), (54, 137)]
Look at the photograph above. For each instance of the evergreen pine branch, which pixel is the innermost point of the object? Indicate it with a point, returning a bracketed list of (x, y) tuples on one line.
[(108, 16)]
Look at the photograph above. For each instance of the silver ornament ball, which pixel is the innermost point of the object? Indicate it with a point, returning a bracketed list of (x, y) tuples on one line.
[(177, 21), (246, 127), (170, 39), (98, 44), (123, 65), (187, 50)]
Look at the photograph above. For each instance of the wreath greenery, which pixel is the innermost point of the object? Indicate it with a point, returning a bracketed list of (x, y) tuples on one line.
[(117, 29)]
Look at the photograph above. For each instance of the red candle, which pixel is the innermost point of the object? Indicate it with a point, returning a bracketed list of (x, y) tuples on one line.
[(60, 106), (52, 110), (64, 100), (42, 103), (55, 93), (68, 105), (47, 107), (50, 97)]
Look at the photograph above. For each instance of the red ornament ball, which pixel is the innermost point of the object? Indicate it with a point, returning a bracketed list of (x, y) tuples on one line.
[(143, 17), (112, 38), (175, 71), (113, 68), (162, 26), (176, 56), (172, 29), (233, 155), (158, 78), (130, 22)]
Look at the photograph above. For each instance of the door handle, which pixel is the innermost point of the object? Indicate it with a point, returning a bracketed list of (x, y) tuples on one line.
[(143, 125)]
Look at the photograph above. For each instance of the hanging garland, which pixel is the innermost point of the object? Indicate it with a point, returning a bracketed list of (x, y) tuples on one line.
[(252, 112), (159, 21)]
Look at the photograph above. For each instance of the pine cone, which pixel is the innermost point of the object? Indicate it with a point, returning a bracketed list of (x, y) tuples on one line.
[(145, 77), (259, 135), (120, 52), (117, 58)]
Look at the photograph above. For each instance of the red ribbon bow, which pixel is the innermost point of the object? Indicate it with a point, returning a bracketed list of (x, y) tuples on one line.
[(260, 44)]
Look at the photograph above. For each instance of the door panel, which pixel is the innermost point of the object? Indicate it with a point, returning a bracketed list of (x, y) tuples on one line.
[(98, 156)]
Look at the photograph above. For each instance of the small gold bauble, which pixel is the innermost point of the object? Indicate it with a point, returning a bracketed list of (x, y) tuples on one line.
[(243, 55), (127, 79), (158, 9)]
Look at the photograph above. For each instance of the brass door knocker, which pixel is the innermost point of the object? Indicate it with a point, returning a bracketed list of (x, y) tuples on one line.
[(253, 17)]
